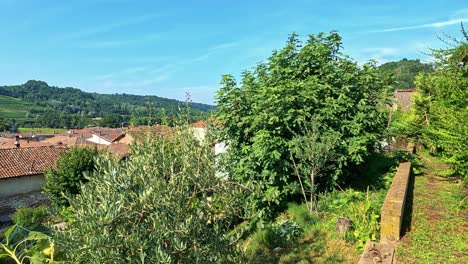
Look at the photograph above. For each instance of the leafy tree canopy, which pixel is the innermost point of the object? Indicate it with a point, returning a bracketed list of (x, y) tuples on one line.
[(301, 82), (442, 104), (65, 182)]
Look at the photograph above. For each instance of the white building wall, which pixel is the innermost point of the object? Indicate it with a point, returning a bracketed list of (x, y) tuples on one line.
[(19, 185), (96, 139)]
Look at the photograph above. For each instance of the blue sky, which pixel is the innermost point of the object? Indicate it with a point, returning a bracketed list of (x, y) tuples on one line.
[(168, 48)]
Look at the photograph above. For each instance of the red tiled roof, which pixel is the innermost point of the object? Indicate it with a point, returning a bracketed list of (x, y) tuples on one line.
[(121, 150), (110, 136), (140, 131), (204, 123), (200, 124), (62, 140), (7, 143), (17, 162)]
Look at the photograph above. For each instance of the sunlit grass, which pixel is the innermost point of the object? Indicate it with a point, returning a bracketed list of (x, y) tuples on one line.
[(438, 231), (46, 130)]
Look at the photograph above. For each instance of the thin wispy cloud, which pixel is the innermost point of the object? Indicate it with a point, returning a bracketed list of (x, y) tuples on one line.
[(461, 13), (132, 84), (379, 54), (211, 51), (434, 25), (108, 27), (124, 42)]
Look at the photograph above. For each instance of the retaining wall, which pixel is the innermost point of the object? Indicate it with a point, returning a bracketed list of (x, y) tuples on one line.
[(391, 217)]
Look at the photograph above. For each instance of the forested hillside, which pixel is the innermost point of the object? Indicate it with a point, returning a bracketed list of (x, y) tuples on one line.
[(51, 106), (403, 72)]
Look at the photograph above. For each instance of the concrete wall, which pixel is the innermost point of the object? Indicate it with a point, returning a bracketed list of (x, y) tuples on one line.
[(19, 185), (391, 215)]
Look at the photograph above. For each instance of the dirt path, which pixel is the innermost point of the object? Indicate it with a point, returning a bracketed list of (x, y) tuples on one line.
[(436, 221), (8, 205)]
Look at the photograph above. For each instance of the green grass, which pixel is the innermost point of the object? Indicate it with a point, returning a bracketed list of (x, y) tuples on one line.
[(438, 231), (319, 241), (15, 108), (46, 130)]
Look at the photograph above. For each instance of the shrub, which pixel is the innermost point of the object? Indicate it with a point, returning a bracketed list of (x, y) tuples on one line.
[(300, 215), (30, 217), (65, 181), (163, 204)]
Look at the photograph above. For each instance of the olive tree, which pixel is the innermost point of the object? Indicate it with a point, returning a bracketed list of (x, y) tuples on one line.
[(163, 204)]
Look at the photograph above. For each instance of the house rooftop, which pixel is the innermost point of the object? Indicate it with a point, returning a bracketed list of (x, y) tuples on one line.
[(17, 162), (403, 98)]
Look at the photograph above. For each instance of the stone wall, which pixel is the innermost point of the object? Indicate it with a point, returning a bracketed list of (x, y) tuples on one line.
[(391, 215)]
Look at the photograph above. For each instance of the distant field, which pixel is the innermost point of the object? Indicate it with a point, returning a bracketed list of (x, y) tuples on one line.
[(46, 130), (14, 108)]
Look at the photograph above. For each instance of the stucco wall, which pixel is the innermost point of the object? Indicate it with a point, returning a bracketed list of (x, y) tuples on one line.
[(98, 140), (18, 185)]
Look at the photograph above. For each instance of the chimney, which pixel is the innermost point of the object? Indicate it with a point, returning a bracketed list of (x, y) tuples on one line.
[(17, 142)]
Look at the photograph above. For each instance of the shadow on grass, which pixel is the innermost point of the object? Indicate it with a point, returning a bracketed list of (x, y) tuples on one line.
[(408, 211), (373, 172)]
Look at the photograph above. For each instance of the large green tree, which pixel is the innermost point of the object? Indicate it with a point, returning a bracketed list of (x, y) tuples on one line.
[(64, 182), (163, 204), (442, 104), (267, 110)]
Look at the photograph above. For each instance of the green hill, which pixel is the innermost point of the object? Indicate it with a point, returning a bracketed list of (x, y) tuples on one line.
[(16, 108), (36, 104)]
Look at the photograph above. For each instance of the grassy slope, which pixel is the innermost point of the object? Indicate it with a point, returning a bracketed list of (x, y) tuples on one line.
[(14, 108), (41, 130), (438, 232), (320, 242)]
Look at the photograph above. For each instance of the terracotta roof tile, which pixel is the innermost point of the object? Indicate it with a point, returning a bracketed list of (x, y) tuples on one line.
[(7, 143), (18, 162), (200, 124), (110, 136), (62, 140)]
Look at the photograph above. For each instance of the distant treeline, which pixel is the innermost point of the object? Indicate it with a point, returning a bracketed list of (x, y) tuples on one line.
[(403, 73), (71, 107)]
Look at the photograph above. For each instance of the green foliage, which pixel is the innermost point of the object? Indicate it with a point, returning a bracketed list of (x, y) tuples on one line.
[(163, 204), (65, 181), (275, 236), (299, 83), (300, 215), (442, 105), (30, 217), (405, 125), (21, 245), (363, 209), (404, 72), (310, 154), (279, 234)]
